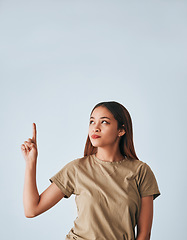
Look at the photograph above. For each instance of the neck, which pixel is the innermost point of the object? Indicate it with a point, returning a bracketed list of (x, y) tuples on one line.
[(109, 154)]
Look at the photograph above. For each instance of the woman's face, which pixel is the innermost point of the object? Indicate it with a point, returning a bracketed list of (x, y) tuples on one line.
[(103, 124)]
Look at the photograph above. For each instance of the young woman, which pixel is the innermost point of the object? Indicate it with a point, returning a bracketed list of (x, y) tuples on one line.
[(114, 189)]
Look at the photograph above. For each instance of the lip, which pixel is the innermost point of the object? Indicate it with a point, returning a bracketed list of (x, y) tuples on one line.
[(95, 136)]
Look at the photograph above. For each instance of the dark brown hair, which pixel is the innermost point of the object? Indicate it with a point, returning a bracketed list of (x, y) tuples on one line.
[(123, 118)]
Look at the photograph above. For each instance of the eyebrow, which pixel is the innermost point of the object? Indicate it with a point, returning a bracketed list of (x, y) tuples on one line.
[(102, 117)]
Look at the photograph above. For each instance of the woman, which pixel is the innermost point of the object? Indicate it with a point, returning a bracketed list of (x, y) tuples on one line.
[(114, 189)]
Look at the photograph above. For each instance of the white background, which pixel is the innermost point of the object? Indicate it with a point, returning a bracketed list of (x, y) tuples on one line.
[(58, 60)]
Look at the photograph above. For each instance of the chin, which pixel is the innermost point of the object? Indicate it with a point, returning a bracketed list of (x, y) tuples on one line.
[(98, 145), (95, 145)]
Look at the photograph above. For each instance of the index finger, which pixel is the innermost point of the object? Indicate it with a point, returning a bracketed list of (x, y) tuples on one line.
[(34, 132)]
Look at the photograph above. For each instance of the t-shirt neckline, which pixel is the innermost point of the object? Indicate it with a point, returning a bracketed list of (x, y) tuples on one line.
[(107, 162)]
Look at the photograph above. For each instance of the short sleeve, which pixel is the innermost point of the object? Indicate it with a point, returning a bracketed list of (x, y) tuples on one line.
[(147, 182), (65, 179)]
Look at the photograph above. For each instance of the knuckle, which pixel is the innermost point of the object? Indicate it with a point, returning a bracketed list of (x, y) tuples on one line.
[(30, 140)]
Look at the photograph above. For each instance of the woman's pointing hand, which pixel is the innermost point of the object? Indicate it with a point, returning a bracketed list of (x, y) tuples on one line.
[(29, 148)]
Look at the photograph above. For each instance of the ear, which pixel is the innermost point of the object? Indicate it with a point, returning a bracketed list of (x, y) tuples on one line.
[(121, 132)]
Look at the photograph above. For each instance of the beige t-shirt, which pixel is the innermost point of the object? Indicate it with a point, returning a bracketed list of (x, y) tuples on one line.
[(108, 196)]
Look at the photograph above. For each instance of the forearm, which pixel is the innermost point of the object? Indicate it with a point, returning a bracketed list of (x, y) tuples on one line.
[(30, 191), (143, 237)]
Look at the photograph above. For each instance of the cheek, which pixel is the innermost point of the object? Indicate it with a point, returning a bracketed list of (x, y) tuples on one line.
[(113, 132), (111, 135), (89, 130)]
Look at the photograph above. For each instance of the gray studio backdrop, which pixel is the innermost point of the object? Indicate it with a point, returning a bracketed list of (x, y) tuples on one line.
[(59, 59)]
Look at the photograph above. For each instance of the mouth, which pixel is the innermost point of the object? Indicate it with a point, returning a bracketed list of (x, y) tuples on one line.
[(95, 136)]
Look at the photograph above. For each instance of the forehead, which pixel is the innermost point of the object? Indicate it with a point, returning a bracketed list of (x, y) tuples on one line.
[(101, 112)]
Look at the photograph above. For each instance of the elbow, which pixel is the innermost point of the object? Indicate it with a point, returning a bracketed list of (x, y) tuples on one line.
[(30, 211), (29, 215)]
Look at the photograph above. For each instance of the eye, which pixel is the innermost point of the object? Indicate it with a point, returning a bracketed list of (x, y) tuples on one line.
[(102, 121)]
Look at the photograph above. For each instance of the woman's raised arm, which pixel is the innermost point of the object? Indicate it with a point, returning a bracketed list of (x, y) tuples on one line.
[(35, 204)]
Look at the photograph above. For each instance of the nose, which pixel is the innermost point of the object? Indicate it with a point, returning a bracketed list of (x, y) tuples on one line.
[(96, 128)]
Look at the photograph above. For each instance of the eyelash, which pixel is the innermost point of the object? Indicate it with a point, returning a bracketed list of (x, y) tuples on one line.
[(102, 121)]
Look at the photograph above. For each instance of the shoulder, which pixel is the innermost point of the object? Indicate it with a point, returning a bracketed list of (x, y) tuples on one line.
[(135, 164), (144, 167), (77, 162), (137, 167), (144, 173)]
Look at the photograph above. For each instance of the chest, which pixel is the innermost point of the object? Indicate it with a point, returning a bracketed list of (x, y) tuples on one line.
[(111, 188)]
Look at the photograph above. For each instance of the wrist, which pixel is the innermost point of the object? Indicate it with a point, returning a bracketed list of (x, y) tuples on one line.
[(30, 164)]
